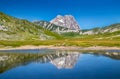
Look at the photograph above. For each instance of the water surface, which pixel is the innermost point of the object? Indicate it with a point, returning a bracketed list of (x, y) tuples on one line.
[(59, 64)]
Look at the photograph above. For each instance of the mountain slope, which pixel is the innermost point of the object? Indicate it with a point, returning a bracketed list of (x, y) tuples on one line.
[(111, 32), (106, 29), (51, 26), (16, 29)]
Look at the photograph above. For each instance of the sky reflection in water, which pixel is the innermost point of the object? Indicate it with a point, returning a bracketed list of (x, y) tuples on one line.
[(55, 64)]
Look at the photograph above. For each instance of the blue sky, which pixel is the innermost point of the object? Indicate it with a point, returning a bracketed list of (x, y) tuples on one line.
[(88, 13)]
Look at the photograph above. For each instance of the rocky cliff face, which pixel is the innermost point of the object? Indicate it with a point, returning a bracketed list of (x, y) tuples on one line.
[(67, 21)]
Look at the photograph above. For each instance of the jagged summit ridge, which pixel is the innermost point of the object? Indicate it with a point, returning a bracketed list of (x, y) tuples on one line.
[(67, 21)]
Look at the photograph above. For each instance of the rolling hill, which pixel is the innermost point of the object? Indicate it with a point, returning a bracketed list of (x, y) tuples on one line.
[(12, 28)]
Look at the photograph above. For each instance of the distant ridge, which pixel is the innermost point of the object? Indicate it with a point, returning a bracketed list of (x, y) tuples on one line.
[(107, 29)]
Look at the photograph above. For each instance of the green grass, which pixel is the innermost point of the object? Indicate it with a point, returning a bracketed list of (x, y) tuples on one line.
[(66, 42)]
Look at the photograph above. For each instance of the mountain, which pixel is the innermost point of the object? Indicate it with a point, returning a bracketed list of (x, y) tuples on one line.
[(107, 29), (60, 24), (50, 26), (67, 21), (12, 28)]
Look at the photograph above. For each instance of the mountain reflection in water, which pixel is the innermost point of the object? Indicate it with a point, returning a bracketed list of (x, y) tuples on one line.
[(60, 59)]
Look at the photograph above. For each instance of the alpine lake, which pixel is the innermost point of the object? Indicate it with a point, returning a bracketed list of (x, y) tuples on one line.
[(59, 64)]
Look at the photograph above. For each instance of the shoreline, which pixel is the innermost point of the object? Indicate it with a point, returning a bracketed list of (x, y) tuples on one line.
[(60, 48)]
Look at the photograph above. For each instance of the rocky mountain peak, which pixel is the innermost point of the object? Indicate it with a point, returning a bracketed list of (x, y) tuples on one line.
[(67, 21)]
